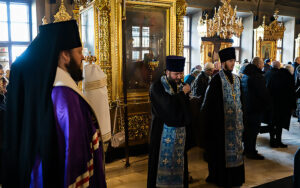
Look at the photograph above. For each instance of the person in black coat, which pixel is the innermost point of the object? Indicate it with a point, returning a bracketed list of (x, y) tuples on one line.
[(198, 89), (296, 177), (280, 84), (3, 83), (170, 110), (200, 84), (257, 100)]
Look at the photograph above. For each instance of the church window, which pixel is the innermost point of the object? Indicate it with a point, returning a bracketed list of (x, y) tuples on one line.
[(279, 50), (141, 42), (16, 30), (187, 45), (237, 45)]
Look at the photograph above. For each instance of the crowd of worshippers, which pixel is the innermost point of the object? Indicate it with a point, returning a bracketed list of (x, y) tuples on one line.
[(220, 112)]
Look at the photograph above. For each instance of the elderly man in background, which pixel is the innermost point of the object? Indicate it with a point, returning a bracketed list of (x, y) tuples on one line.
[(200, 84), (257, 100), (280, 84), (198, 91)]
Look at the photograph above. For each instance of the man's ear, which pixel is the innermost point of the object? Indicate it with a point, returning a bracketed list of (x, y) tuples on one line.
[(65, 55), (64, 59)]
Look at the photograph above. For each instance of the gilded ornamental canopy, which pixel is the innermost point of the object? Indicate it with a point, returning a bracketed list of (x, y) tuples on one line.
[(272, 32)]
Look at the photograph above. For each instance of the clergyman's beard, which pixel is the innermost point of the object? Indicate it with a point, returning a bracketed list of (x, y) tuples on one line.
[(227, 67), (74, 70), (173, 81)]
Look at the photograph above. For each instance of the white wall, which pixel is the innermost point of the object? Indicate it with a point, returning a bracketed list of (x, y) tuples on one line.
[(195, 39), (288, 41), (247, 38)]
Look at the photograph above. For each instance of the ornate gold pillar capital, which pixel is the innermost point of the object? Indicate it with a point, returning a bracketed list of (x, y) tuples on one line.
[(180, 13), (103, 5), (181, 7), (76, 13)]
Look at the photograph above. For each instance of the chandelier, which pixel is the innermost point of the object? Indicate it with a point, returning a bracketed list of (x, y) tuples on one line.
[(224, 24)]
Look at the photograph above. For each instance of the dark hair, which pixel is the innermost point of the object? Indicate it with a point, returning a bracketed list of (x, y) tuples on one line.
[(1, 67)]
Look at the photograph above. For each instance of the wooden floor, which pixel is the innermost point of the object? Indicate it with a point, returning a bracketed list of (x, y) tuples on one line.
[(278, 164)]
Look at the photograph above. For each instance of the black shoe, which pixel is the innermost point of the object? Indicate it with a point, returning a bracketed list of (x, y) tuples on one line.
[(209, 179), (295, 114), (255, 156), (282, 145), (273, 144)]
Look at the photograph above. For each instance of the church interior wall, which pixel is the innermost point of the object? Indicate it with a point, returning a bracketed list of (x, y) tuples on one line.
[(34, 15), (247, 38), (196, 39), (288, 41)]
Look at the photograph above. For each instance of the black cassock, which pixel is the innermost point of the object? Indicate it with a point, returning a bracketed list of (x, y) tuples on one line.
[(171, 110), (280, 83), (213, 112)]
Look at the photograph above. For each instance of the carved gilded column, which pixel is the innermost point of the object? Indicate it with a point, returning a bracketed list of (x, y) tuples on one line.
[(103, 7), (180, 13), (76, 13)]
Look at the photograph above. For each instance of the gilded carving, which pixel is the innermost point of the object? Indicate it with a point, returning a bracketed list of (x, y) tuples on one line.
[(103, 24), (76, 13), (180, 13), (44, 20), (62, 14), (207, 49), (274, 31), (108, 50), (225, 23), (266, 37), (138, 126)]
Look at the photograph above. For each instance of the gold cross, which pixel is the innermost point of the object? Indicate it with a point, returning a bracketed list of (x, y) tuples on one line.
[(230, 111), (180, 141), (168, 140), (165, 161), (233, 95), (90, 58)]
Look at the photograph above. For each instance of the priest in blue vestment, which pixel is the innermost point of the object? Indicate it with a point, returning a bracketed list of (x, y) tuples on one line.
[(51, 133), (224, 125), (170, 128)]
